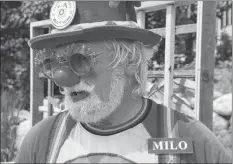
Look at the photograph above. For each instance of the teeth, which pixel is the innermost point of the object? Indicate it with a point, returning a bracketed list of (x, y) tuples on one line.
[(77, 92), (80, 95), (74, 94)]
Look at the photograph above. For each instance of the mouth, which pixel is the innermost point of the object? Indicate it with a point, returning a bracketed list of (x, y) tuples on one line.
[(80, 95)]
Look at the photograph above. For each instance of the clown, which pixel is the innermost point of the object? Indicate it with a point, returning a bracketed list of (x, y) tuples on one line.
[(98, 56)]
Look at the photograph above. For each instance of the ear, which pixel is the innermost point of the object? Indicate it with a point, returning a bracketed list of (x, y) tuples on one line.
[(148, 52), (130, 71)]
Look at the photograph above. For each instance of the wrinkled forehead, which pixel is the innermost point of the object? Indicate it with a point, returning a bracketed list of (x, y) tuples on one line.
[(93, 48), (85, 48)]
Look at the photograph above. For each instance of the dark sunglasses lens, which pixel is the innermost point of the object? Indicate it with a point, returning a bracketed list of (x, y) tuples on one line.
[(80, 64)]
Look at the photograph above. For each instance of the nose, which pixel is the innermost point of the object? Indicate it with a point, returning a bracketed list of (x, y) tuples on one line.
[(90, 77), (65, 77)]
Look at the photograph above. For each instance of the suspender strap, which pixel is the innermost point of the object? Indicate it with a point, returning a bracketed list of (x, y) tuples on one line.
[(61, 130)]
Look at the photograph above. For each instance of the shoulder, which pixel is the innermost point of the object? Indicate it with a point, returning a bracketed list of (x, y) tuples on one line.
[(156, 120), (206, 145), (42, 127), (36, 140), (179, 117)]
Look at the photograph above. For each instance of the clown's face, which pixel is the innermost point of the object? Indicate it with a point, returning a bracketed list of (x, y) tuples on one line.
[(92, 101), (100, 92)]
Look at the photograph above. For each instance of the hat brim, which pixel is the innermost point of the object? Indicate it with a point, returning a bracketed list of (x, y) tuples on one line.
[(95, 33)]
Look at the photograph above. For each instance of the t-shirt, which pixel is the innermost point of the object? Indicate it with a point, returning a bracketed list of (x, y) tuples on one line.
[(130, 144), (59, 139)]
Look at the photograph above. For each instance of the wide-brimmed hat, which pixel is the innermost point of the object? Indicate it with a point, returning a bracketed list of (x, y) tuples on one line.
[(75, 21)]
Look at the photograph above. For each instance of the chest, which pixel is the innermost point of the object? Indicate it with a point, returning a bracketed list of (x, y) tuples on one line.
[(130, 145)]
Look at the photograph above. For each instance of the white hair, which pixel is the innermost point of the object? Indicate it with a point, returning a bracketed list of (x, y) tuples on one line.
[(128, 53), (133, 54)]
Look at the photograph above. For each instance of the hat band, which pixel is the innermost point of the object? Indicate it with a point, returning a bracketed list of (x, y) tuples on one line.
[(130, 24)]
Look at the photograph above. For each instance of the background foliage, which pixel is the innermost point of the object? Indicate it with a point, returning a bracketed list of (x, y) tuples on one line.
[(15, 53), (15, 56), (183, 43)]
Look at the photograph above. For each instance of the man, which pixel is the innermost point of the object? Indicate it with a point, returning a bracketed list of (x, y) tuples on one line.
[(98, 56)]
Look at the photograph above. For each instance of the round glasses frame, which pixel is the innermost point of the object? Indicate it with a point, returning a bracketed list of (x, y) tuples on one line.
[(66, 62)]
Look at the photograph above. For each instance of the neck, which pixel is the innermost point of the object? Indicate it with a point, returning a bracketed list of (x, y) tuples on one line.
[(128, 108)]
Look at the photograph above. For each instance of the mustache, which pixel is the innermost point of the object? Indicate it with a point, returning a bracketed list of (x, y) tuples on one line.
[(82, 86), (87, 87)]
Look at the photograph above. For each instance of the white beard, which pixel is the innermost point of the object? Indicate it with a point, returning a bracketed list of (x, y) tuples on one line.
[(93, 109)]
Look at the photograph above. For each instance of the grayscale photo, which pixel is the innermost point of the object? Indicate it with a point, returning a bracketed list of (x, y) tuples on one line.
[(116, 81)]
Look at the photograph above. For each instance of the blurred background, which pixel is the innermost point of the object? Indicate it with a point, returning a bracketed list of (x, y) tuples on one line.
[(15, 65)]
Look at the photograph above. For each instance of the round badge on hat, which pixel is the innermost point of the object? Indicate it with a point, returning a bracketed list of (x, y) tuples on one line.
[(62, 13)]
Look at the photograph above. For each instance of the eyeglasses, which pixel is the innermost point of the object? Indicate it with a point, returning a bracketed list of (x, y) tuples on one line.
[(81, 65), (67, 65)]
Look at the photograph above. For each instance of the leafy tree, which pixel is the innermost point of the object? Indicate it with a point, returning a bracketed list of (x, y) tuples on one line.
[(16, 17), (15, 64), (184, 43), (221, 7), (224, 49), (9, 110)]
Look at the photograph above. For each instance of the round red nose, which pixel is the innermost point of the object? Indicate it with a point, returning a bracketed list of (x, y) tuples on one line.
[(65, 77)]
